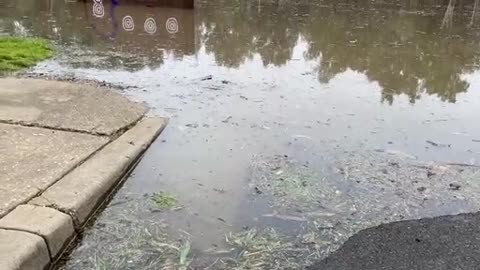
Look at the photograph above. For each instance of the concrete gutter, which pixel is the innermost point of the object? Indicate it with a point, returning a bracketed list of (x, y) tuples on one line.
[(34, 235)]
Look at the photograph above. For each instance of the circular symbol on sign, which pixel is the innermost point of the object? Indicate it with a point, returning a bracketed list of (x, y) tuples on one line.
[(127, 23), (98, 10), (150, 26), (171, 25)]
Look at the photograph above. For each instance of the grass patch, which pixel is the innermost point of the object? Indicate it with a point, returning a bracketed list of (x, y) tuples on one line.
[(165, 201), (183, 251), (267, 249), (18, 53), (294, 183), (129, 237), (288, 183)]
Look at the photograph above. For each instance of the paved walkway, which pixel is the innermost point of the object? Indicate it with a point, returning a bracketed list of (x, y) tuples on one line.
[(63, 147)]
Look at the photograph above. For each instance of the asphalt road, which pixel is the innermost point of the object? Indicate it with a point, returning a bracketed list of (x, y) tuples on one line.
[(448, 242)]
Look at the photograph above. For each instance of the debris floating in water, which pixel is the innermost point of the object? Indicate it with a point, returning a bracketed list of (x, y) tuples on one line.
[(165, 201), (206, 78), (438, 144)]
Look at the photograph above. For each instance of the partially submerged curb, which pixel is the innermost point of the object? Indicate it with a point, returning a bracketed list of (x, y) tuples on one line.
[(33, 236)]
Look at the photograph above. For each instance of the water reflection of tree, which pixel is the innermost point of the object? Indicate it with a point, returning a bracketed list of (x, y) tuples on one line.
[(404, 52), (237, 33), (401, 46)]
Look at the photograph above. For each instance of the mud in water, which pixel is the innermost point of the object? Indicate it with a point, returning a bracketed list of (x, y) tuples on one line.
[(293, 125)]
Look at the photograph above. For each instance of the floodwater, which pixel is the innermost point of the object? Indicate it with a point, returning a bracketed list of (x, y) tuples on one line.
[(312, 118)]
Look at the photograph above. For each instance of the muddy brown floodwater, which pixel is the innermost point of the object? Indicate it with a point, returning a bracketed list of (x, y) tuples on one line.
[(294, 124)]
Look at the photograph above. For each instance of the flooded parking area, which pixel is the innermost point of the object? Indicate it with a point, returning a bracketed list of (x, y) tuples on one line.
[(293, 124)]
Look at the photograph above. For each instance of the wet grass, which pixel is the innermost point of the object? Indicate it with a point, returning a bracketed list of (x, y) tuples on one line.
[(294, 184), (165, 201), (288, 183), (18, 53), (183, 252), (142, 247), (268, 249), (131, 237), (358, 192), (135, 236), (255, 250)]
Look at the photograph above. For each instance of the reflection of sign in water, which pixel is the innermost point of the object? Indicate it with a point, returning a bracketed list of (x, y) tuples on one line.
[(98, 10), (150, 26), (171, 25), (127, 23), (134, 26)]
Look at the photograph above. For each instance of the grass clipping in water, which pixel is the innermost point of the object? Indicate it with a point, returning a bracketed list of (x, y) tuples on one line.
[(128, 236), (290, 184), (268, 249), (18, 53), (165, 201)]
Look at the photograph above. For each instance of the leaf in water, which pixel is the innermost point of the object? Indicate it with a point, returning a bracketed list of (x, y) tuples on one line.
[(184, 251)]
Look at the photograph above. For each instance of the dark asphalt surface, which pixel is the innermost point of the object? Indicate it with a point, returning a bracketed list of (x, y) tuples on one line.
[(448, 242)]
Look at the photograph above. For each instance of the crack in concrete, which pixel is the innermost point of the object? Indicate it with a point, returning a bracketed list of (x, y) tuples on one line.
[(124, 129), (72, 213), (40, 191), (36, 125)]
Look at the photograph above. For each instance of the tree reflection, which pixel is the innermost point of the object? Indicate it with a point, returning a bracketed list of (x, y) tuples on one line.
[(408, 47), (404, 56), (403, 48), (237, 33)]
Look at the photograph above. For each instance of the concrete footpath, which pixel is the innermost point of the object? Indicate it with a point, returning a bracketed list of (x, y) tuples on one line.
[(63, 148)]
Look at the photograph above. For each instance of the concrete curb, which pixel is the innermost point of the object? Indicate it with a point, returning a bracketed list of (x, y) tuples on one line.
[(48, 223), (54, 227), (22, 251)]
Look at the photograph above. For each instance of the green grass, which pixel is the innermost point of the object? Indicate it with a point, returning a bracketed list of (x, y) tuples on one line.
[(165, 201), (18, 53)]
